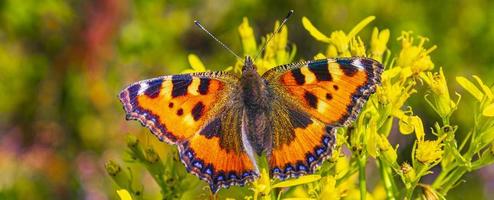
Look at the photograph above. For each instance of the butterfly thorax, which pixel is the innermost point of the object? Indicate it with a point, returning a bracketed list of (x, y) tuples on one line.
[(255, 95)]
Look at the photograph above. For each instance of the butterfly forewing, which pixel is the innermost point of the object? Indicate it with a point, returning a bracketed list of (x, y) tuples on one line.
[(331, 90)]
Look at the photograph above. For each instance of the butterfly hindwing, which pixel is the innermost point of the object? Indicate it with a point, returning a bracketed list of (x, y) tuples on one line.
[(313, 99), (217, 154), (198, 113), (300, 142)]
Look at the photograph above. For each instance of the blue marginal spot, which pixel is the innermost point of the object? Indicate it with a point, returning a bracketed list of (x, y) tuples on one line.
[(302, 167), (208, 170), (232, 175), (326, 140), (319, 151), (288, 168), (220, 177), (310, 158), (197, 164), (246, 174), (276, 170), (189, 154)]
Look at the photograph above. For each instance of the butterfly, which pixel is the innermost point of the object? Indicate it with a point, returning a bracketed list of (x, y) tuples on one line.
[(221, 120)]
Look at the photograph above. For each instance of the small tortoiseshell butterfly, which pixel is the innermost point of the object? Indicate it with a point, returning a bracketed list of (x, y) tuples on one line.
[(220, 120)]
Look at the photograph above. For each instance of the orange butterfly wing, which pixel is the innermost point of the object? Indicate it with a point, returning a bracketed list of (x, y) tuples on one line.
[(327, 93), (194, 111)]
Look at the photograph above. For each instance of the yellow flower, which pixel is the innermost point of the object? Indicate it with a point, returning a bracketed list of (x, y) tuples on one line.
[(124, 194), (329, 190), (248, 39), (430, 193), (436, 81), (195, 63), (297, 181), (275, 52), (408, 124), (489, 110), (470, 87), (386, 150), (429, 151), (414, 56), (357, 47), (262, 185), (342, 166), (338, 39), (441, 101), (474, 90), (408, 172), (379, 41)]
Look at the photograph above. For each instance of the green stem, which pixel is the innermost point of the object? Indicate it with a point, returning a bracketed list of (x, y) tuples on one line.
[(440, 178), (362, 161), (387, 180), (409, 191), (452, 179)]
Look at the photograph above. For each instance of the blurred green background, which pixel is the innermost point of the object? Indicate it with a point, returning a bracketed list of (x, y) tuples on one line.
[(62, 63)]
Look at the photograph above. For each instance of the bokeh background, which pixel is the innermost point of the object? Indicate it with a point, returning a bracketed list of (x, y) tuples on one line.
[(62, 64)]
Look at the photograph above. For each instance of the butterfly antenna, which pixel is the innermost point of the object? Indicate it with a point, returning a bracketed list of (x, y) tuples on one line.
[(274, 33), (198, 24)]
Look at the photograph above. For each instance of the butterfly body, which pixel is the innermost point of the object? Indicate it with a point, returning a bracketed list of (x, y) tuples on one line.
[(220, 120), (256, 107)]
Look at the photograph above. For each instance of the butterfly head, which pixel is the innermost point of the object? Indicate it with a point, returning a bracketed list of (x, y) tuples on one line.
[(248, 65)]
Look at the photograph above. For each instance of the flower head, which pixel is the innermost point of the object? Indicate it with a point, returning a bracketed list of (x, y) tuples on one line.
[(379, 41), (338, 41), (195, 63), (247, 37), (429, 151), (412, 56), (408, 172), (441, 101)]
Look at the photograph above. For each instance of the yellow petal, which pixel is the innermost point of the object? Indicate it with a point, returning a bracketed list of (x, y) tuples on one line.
[(313, 30), (196, 63), (484, 87), (360, 26), (419, 127), (489, 110), (470, 87), (248, 39), (319, 56), (372, 137), (124, 194), (298, 181), (405, 127)]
